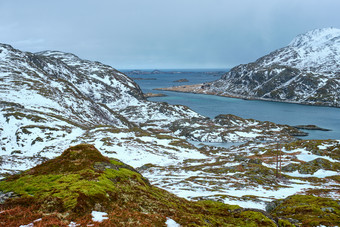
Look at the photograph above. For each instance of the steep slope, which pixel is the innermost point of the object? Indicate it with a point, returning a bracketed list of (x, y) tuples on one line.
[(49, 98), (306, 71), (82, 182)]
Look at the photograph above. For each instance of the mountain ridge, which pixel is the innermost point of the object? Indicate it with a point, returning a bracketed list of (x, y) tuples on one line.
[(304, 72), (52, 97)]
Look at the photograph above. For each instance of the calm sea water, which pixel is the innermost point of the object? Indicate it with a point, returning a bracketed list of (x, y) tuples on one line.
[(210, 106)]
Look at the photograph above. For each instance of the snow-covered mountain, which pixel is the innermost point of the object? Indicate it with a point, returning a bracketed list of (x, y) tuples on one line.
[(50, 99), (306, 71)]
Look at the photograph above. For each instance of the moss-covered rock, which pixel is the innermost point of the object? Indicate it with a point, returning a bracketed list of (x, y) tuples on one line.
[(307, 210), (331, 147), (81, 180), (312, 166)]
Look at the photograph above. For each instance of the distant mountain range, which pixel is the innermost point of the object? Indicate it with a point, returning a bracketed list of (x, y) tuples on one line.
[(307, 71)]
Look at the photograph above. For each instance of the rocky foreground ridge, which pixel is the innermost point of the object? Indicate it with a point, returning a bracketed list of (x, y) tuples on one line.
[(68, 188), (307, 71), (76, 186)]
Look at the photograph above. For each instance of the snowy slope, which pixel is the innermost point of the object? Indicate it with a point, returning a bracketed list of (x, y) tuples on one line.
[(51, 99), (317, 51), (306, 71)]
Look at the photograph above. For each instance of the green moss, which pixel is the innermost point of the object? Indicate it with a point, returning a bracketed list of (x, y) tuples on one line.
[(107, 128), (309, 210), (312, 166), (312, 146), (122, 174), (218, 206), (116, 162), (253, 218), (162, 136), (285, 223), (66, 187), (74, 175)]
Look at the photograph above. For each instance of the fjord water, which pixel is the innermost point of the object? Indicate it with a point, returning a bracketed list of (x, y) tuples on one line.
[(210, 106)]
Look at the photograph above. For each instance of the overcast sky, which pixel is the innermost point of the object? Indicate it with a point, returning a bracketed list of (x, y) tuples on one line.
[(158, 34)]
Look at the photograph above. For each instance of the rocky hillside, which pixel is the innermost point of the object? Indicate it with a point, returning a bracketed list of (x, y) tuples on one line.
[(306, 71), (51, 97), (82, 187), (75, 187)]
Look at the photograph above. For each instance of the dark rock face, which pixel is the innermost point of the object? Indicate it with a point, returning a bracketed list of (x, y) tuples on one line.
[(290, 74), (6, 195)]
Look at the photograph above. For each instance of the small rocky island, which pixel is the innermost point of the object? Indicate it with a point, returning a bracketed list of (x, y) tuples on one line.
[(311, 127), (181, 80)]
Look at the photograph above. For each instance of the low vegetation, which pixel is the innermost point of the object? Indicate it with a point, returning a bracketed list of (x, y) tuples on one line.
[(81, 180)]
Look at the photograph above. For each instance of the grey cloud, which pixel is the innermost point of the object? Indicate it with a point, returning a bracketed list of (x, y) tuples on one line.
[(162, 34)]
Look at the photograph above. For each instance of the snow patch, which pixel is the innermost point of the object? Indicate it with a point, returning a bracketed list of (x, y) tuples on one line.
[(171, 223), (98, 216)]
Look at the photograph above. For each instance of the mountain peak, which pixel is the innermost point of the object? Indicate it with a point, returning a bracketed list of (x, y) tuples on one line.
[(316, 51), (316, 37), (58, 54)]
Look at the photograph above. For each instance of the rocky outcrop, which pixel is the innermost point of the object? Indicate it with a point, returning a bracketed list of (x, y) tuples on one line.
[(306, 210), (231, 128), (312, 166)]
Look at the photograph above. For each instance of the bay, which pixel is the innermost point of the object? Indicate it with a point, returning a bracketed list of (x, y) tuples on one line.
[(211, 106)]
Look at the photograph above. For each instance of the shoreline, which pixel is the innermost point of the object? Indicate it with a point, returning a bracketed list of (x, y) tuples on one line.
[(196, 89)]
